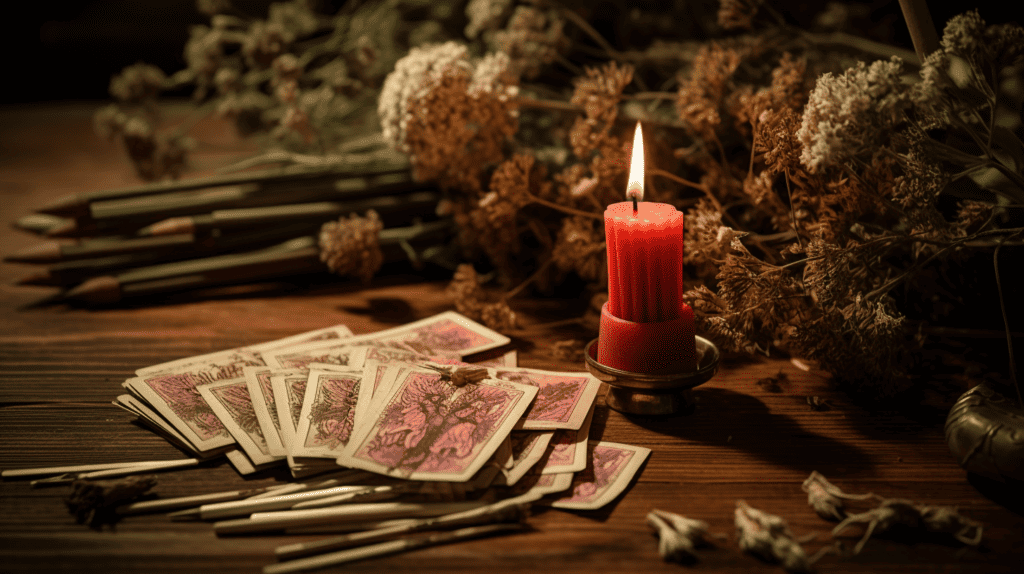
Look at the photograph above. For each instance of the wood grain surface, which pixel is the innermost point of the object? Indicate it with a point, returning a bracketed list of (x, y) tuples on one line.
[(61, 366)]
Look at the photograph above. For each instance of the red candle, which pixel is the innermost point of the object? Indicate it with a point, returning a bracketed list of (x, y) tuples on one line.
[(645, 326)]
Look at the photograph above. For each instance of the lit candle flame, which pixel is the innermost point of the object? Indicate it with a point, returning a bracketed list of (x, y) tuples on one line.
[(635, 187)]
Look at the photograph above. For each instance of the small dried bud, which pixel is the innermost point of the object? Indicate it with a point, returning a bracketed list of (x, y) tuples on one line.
[(768, 537), (351, 246), (678, 535), (459, 376), (109, 121), (826, 498), (137, 83), (286, 67), (93, 501)]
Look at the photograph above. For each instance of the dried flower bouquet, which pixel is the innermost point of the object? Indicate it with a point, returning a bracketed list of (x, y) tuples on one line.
[(841, 195)]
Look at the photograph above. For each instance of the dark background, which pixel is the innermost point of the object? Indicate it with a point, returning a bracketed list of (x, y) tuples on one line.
[(67, 50)]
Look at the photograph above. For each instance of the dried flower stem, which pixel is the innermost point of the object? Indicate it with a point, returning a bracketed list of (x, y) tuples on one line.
[(528, 102), (922, 30), (589, 30), (564, 209)]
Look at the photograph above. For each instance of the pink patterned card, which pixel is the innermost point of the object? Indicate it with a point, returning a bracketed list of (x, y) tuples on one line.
[(610, 468), (428, 429)]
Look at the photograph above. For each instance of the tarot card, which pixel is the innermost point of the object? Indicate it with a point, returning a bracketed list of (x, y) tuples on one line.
[(610, 468), (243, 465), (528, 448), (153, 420), (445, 333), (563, 399), (216, 366), (232, 403), (503, 455), (289, 390), (328, 413), (429, 429), (176, 397), (388, 354), (342, 352), (257, 379), (328, 333), (533, 486), (568, 449)]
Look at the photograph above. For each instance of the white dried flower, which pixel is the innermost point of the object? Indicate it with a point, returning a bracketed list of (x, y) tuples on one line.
[(848, 113), (421, 69), (826, 498), (768, 536), (485, 15), (413, 75), (677, 535)]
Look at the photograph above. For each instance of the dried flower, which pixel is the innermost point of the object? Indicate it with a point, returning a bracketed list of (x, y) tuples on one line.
[(598, 92), (138, 83), (351, 246), (452, 115), (264, 42), (768, 537), (459, 376), (109, 121), (484, 15), (579, 248), (847, 114), (213, 7), (93, 501), (900, 512), (296, 17), (470, 300), (204, 52), (513, 185), (677, 535), (700, 98), (826, 498), (532, 37)]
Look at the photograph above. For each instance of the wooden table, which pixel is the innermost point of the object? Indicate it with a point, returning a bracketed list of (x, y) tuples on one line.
[(61, 367)]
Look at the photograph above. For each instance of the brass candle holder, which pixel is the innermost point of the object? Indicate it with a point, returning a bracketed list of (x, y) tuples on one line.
[(645, 394)]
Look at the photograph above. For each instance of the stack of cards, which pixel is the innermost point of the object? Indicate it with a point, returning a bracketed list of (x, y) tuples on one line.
[(387, 403)]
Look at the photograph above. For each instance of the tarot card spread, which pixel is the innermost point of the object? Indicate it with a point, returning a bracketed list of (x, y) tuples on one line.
[(401, 403), (429, 429)]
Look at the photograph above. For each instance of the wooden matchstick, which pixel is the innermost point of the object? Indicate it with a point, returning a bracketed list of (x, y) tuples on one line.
[(273, 521), (498, 512), (165, 504), (391, 547), (284, 501), (78, 468)]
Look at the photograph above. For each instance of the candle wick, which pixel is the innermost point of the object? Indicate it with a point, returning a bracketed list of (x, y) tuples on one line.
[(634, 205)]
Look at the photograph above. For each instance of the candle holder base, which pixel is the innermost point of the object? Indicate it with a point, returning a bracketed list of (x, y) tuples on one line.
[(644, 394)]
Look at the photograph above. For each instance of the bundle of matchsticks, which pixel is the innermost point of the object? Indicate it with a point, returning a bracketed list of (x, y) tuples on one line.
[(112, 245)]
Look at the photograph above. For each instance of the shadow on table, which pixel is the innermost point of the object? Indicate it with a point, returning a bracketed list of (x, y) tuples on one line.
[(1005, 494), (727, 419)]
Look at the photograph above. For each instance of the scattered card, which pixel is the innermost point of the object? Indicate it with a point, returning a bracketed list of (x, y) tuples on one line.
[(563, 399), (528, 448), (231, 402), (328, 413), (568, 449), (610, 468)]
